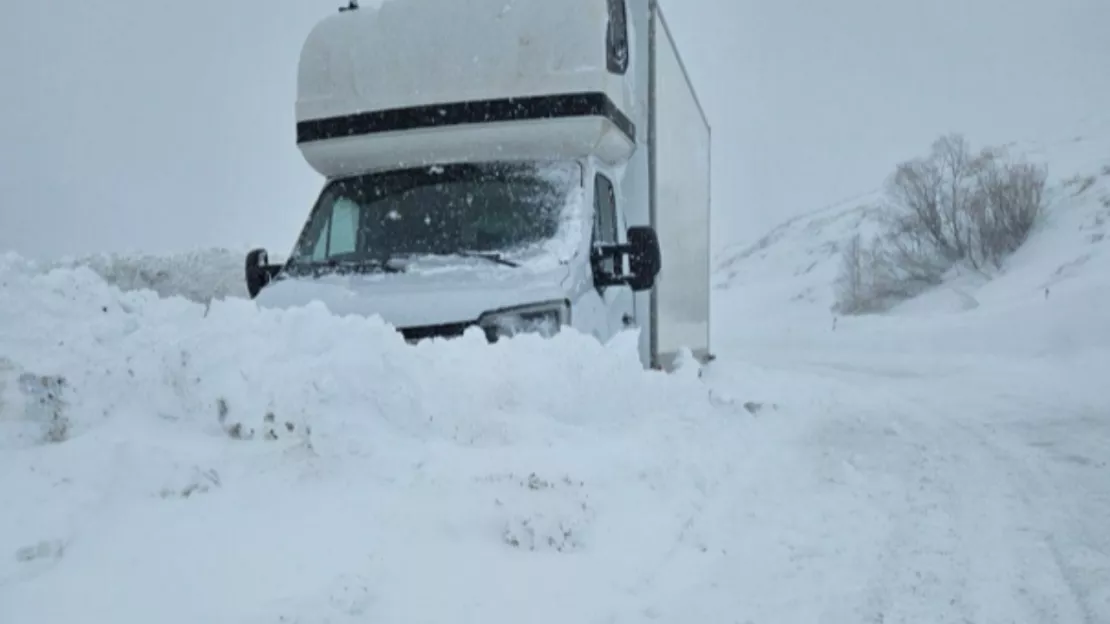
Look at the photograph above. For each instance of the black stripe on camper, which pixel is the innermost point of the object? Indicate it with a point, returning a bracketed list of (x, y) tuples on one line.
[(472, 112)]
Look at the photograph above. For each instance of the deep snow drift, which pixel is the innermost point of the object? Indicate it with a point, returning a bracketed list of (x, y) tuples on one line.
[(224, 464)]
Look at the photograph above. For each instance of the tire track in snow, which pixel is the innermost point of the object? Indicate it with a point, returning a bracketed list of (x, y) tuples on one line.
[(980, 530), (1062, 530), (921, 571)]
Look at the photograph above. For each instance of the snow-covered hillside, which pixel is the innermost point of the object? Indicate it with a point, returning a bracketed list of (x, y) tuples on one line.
[(962, 440), (793, 269), (195, 459)]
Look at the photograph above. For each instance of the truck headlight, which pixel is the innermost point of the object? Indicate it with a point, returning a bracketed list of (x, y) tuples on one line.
[(544, 319)]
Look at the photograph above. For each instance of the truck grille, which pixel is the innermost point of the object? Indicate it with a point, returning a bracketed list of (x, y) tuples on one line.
[(414, 335)]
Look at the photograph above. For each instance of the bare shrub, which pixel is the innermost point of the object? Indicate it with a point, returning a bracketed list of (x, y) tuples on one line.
[(1008, 204), (952, 207)]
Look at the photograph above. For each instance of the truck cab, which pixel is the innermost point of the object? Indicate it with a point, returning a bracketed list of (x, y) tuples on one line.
[(509, 246), (495, 166)]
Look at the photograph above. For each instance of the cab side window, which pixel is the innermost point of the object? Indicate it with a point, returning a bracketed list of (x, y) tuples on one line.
[(616, 37), (605, 217), (344, 227), (338, 237)]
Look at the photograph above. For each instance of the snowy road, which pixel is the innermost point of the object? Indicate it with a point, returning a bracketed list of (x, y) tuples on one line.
[(926, 492)]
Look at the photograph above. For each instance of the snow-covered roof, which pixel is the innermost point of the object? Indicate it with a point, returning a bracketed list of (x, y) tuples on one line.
[(392, 68), (417, 52)]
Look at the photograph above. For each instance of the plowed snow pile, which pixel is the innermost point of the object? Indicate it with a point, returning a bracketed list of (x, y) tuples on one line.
[(166, 461), (200, 275)]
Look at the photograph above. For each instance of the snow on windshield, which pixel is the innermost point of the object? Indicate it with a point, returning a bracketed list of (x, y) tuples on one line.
[(516, 212)]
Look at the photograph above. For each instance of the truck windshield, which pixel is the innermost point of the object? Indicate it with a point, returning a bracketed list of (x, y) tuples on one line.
[(496, 211)]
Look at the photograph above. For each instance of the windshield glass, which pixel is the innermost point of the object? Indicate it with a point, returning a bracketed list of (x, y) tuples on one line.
[(500, 212)]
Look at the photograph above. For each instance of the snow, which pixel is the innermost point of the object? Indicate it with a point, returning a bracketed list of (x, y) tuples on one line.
[(294, 464), (417, 300), (200, 275), (195, 458), (177, 461), (794, 266), (947, 462)]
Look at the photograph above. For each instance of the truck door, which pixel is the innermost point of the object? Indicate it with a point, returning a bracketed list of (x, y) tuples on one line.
[(609, 228)]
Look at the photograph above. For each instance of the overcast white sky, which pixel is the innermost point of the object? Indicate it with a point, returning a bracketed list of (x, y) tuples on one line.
[(161, 126)]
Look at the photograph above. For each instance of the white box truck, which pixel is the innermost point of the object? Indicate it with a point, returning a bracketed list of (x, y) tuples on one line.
[(510, 165)]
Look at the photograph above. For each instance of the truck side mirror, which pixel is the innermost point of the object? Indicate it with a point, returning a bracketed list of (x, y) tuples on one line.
[(644, 257), (259, 271)]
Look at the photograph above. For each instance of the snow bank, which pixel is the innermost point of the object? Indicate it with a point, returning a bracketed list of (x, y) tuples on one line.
[(200, 275), (177, 462)]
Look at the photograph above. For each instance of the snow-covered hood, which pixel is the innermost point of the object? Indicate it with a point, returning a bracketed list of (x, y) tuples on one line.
[(418, 299)]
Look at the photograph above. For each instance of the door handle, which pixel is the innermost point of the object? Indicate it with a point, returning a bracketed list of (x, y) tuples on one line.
[(628, 320)]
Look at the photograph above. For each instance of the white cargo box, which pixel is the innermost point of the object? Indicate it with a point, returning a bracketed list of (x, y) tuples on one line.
[(680, 138)]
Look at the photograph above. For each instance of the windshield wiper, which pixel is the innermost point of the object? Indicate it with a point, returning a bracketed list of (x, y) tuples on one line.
[(365, 265), (491, 256)]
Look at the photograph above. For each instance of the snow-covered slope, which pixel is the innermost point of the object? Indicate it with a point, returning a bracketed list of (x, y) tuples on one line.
[(953, 453), (1060, 271), (797, 260)]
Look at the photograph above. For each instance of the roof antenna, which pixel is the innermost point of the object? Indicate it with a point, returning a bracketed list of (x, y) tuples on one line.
[(351, 6)]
